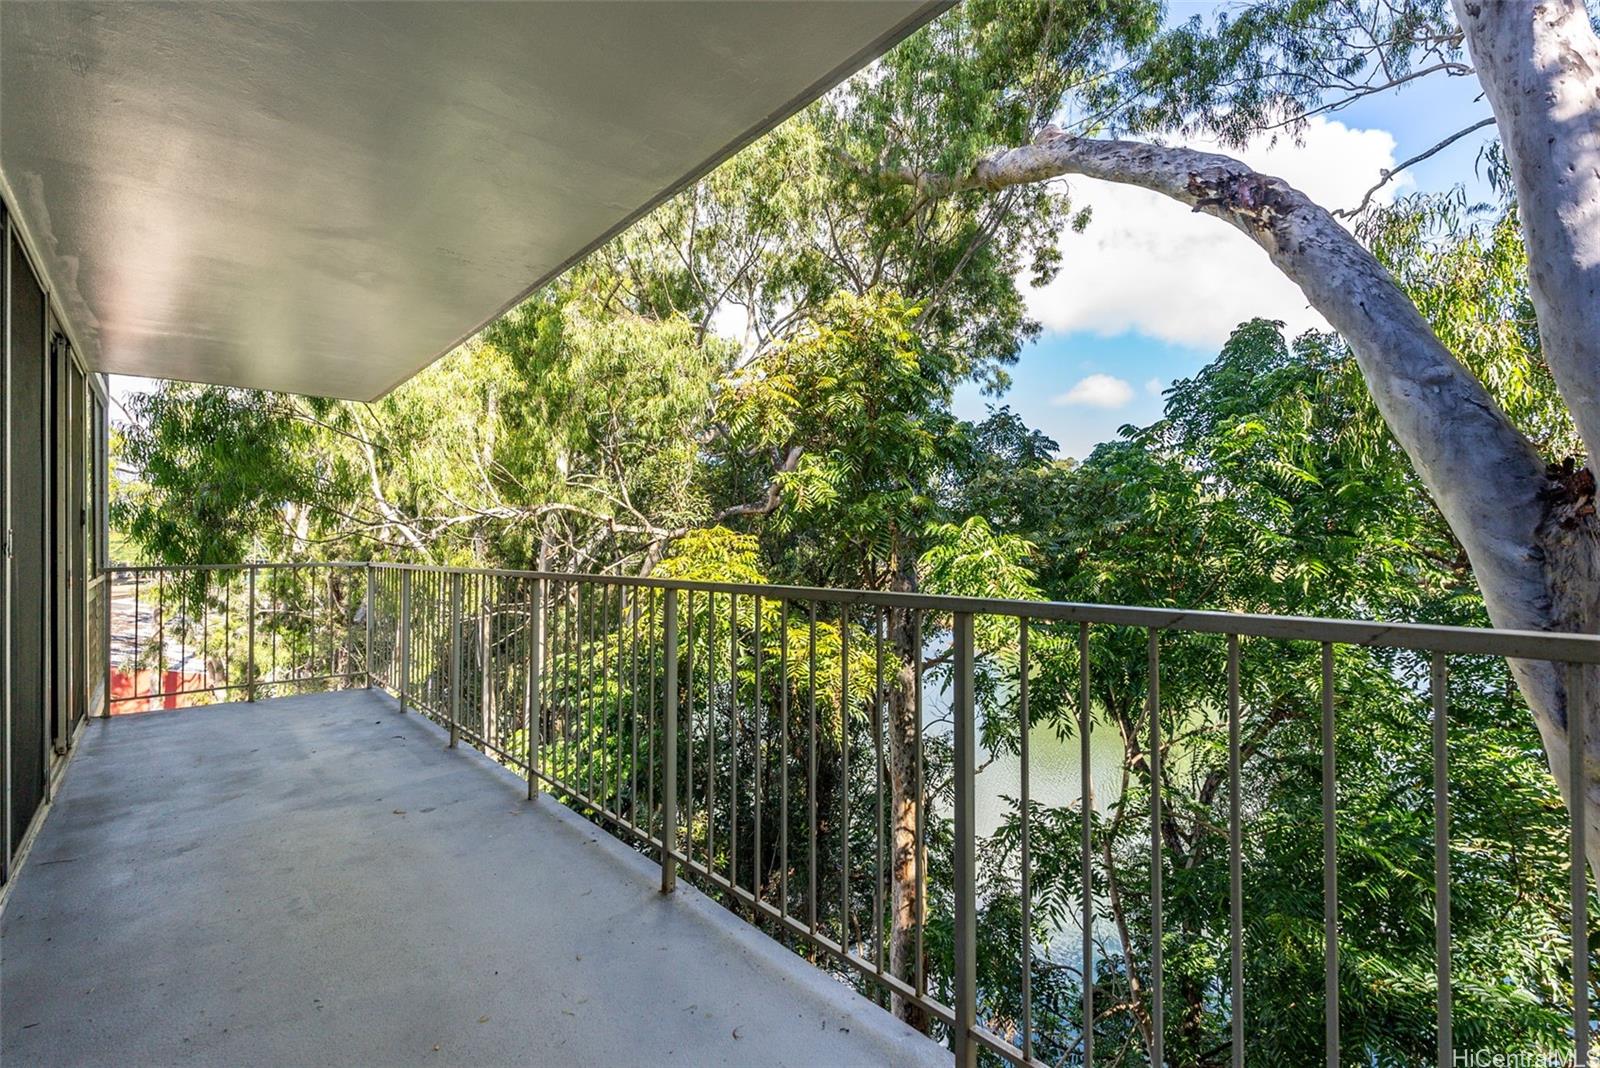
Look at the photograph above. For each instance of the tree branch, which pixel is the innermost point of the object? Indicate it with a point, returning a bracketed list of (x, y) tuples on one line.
[(1389, 175), (1539, 65), (1486, 476)]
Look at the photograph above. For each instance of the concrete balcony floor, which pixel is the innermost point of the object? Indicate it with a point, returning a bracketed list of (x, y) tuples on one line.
[(316, 880)]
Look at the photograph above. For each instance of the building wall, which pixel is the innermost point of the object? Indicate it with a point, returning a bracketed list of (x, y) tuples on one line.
[(52, 478)]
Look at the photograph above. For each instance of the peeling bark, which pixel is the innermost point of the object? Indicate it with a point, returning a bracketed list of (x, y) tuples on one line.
[(1539, 65)]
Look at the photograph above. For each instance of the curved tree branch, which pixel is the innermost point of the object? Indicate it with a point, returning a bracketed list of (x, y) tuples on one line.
[(1486, 476), (1529, 533)]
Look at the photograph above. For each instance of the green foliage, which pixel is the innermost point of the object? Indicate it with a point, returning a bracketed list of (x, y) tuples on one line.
[(1268, 486), (222, 471), (972, 559), (1269, 65), (864, 404), (1464, 267), (716, 554)]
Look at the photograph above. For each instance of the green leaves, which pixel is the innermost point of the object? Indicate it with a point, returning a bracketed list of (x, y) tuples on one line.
[(863, 401), (224, 474), (715, 554)]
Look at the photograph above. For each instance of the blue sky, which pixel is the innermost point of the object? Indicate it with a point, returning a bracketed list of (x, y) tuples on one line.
[(1150, 291)]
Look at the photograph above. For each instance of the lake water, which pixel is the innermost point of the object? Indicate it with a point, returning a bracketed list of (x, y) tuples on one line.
[(1054, 780)]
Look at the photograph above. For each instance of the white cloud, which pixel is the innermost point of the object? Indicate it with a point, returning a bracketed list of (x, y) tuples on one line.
[(1150, 265), (1154, 387), (1096, 391)]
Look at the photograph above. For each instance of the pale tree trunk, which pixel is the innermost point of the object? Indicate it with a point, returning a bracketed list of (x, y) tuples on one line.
[(1529, 531), (1539, 65)]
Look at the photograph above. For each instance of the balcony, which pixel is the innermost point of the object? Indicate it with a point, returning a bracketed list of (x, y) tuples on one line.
[(316, 880), (398, 814)]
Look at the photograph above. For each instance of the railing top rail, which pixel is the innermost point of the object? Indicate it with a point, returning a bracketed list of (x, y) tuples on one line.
[(145, 569), (1480, 641)]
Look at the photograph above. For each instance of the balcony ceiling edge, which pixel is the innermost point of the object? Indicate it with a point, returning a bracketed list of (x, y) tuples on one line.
[(325, 199)]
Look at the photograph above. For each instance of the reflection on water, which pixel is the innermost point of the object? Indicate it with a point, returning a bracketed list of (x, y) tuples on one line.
[(1054, 781), (1054, 776), (1053, 766)]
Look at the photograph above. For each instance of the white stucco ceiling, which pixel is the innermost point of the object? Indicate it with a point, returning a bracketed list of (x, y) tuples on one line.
[(325, 197)]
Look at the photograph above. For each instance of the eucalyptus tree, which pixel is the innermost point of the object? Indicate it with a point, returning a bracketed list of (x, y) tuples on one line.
[(1525, 520)]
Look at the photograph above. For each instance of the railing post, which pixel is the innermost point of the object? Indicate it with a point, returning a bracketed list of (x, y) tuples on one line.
[(1577, 709), (367, 608), (962, 1042), (669, 742), (534, 724), (404, 639), (109, 591), (455, 658), (250, 640)]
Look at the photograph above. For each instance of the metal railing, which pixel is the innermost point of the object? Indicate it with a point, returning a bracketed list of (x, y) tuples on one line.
[(814, 758), (201, 634)]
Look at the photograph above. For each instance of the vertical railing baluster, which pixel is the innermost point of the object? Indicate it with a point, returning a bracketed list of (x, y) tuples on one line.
[(586, 650), (227, 634), (811, 769), (205, 628), (633, 720), (653, 597), (274, 623), (879, 624), (1026, 859), (366, 653), (616, 671), (669, 742), (138, 654), (533, 722), (110, 592), (783, 750), (733, 741), (844, 778), (1577, 710), (250, 639), (1086, 812), (711, 732), (1330, 866), (453, 699), (1438, 684), (488, 603), (755, 773), (632, 769), (1235, 860), (963, 1044), (404, 640), (610, 665), (919, 833), (335, 623), (160, 680), (1157, 933), (688, 721), (577, 707)]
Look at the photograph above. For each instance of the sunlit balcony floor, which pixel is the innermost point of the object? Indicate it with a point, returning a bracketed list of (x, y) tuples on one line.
[(316, 880)]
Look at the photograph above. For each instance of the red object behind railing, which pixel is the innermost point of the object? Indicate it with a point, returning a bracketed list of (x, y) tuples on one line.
[(146, 690)]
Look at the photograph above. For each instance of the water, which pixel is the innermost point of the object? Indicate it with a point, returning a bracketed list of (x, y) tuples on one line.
[(1054, 774), (1054, 781)]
